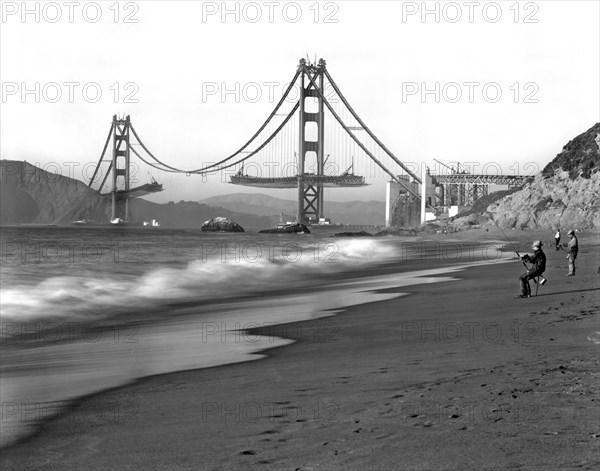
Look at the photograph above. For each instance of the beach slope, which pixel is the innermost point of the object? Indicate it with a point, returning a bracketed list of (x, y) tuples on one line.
[(454, 375)]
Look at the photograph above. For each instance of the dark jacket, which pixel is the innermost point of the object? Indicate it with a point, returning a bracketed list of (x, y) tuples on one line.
[(538, 260)]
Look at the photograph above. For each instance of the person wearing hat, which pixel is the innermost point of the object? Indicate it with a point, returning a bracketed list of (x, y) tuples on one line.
[(573, 246), (538, 259)]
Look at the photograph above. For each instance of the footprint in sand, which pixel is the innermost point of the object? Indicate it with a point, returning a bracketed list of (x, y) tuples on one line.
[(381, 370), (425, 424)]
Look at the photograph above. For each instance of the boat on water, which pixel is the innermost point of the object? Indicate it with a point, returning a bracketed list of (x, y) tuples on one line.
[(114, 222), (287, 227), (283, 224), (153, 223), (84, 222)]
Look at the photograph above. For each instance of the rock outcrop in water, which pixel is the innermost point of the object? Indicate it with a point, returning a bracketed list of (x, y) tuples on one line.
[(288, 229), (221, 224), (398, 231), (565, 194), (353, 234)]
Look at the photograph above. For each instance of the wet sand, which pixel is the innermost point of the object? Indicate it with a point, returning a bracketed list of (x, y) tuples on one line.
[(455, 375)]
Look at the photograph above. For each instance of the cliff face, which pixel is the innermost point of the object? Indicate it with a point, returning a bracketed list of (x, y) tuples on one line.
[(565, 194), (547, 203), (29, 194)]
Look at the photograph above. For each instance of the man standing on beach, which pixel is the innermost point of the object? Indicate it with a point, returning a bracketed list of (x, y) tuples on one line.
[(572, 253), (538, 259), (557, 239)]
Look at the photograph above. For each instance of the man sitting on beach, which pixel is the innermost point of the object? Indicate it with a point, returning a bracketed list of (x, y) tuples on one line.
[(538, 259), (572, 253)]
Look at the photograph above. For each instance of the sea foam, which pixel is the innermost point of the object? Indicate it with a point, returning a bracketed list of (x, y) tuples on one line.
[(223, 272)]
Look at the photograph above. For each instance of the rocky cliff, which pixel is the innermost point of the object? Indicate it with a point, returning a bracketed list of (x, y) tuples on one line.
[(565, 194)]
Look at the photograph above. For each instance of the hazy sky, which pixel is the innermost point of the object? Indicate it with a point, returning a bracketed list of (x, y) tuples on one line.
[(157, 60)]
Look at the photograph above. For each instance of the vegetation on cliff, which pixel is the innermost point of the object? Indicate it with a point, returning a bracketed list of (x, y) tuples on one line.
[(579, 156)]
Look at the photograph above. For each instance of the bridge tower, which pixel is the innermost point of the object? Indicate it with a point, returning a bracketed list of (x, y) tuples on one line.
[(310, 196), (121, 153), (120, 168)]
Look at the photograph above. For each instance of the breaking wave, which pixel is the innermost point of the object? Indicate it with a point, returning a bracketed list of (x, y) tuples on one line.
[(222, 270)]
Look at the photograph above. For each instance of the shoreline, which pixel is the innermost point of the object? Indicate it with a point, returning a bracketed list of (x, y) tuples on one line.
[(253, 340), (293, 356)]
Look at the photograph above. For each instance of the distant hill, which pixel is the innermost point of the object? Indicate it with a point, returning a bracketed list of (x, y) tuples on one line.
[(260, 204), (30, 195), (352, 212), (192, 214)]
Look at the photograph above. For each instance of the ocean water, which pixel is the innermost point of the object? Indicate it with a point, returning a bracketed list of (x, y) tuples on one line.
[(90, 273), (84, 309)]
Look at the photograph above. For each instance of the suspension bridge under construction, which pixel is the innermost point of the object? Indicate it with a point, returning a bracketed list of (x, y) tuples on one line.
[(314, 143)]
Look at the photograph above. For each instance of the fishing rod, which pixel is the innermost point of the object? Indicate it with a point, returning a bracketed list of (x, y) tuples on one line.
[(507, 240), (511, 244), (540, 280)]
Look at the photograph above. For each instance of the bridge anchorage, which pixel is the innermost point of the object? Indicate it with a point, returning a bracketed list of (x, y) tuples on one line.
[(462, 188)]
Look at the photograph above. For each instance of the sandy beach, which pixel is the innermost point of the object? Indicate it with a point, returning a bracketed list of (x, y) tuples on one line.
[(454, 375)]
